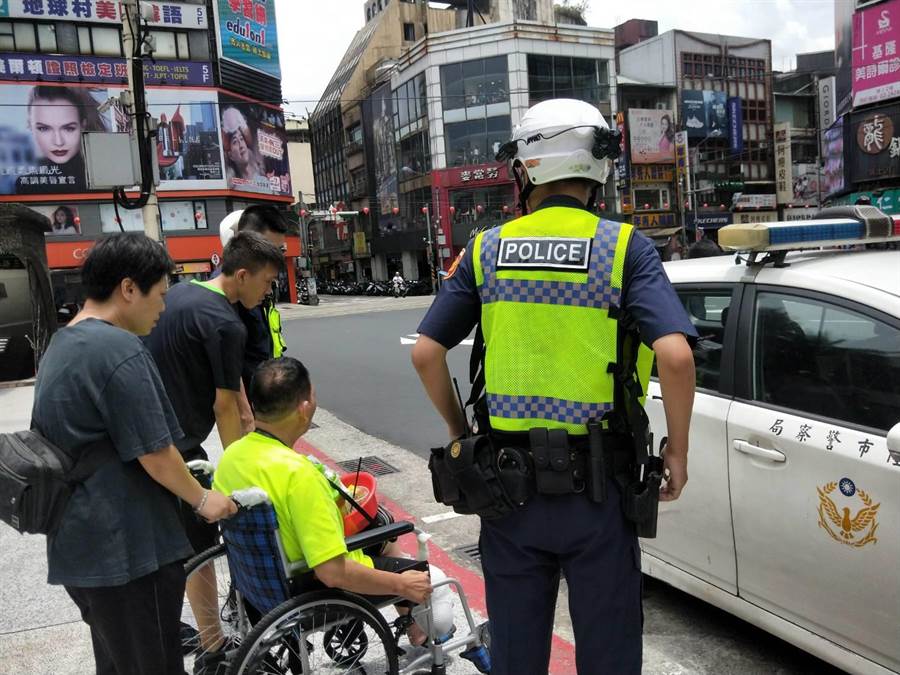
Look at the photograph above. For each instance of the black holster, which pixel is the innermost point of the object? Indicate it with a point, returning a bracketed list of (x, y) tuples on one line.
[(472, 477), (640, 497)]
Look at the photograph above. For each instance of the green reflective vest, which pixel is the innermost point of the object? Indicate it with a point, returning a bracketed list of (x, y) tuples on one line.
[(273, 317), (550, 285)]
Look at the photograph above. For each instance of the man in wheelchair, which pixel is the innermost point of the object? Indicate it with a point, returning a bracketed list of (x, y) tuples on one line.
[(309, 519)]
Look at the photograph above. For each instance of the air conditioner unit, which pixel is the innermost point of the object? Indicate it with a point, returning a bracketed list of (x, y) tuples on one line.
[(661, 106)]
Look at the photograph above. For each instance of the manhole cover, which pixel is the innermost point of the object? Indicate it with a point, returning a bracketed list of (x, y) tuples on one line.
[(374, 465), (470, 551)]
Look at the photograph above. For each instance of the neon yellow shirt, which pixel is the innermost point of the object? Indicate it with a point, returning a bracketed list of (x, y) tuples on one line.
[(309, 520)]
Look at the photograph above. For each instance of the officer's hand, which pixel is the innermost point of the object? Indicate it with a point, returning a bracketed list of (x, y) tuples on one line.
[(676, 475), (217, 507), (416, 586)]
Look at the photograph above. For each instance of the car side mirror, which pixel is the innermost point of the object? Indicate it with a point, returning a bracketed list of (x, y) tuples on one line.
[(893, 443)]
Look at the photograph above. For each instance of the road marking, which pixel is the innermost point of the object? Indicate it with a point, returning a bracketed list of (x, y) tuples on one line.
[(438, 517), (412, 337)]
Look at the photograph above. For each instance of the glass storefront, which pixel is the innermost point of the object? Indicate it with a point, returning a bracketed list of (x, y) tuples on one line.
[(567, 77), (480, 208)]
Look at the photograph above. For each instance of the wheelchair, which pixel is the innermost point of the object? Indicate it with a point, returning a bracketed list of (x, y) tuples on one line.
[(279, 620)]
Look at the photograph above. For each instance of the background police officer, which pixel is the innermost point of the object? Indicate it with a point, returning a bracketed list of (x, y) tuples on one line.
[(550, 331)]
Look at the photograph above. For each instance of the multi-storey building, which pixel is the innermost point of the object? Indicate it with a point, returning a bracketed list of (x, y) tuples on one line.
[(213, 84), (419, 161), (724, 105)]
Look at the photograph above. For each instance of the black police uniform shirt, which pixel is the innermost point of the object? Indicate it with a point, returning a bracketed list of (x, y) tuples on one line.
[(198, 346), (647, 294), (97, 381)]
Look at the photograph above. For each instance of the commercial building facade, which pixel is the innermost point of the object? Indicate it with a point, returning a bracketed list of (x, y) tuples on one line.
[(211, 85)]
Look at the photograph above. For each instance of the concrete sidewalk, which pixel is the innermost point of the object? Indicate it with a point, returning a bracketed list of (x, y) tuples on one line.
[(340, 305)]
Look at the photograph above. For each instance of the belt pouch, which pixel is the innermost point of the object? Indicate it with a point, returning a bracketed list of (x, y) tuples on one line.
[(516, 474), (466, 471), (597, 473), (444, 486), (553, 468)]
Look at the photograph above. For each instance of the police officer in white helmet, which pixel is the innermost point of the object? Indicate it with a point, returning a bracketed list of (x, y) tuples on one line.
[(558, 465)]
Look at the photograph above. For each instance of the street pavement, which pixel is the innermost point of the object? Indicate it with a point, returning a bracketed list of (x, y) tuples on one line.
[(371, 404)]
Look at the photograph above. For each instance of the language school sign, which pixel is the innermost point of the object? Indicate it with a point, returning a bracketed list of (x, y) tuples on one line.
[(99, 70), (168, 14)]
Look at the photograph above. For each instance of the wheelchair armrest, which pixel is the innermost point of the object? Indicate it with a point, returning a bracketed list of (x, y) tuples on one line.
[(378, 535)]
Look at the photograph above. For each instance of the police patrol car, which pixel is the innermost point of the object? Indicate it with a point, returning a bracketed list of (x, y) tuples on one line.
[(791, 516)]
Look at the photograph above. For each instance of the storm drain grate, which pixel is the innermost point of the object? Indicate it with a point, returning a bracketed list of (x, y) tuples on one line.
[(374, 465), (470, 551)]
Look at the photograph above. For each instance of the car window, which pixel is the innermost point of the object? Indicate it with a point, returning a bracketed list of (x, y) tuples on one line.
[(815, 357), (708, 311)]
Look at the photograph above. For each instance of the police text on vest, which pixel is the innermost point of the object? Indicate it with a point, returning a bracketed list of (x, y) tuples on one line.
[(563, 253)]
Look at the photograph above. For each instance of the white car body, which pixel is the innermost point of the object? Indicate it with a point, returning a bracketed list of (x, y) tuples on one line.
[(753, 532)]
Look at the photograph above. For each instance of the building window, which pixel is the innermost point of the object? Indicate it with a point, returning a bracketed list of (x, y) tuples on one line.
[(27, 37), (567, 77), (410, 107), (415, 157), (475, 89), (651, 198), (475, 141), (409, 32), (171, 45), (99, 41)]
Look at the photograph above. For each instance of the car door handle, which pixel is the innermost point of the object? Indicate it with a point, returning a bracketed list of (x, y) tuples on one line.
[(756, 451)]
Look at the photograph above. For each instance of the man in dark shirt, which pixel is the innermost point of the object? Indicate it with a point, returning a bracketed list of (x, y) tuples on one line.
[(198, 346), (261, 340), (119, 548)]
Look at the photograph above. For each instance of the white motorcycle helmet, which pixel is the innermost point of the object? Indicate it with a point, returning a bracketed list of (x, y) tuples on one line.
[(229, 226), (560, 139)]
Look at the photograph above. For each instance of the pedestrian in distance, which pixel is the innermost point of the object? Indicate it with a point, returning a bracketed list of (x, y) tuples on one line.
[(199, 346), (119, 548), (263, 323), (568, 307), (705, 248)]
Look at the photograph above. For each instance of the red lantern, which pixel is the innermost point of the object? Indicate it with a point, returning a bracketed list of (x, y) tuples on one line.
[(665, 205), (77, 220), (722, 206), (333, 210), (505, 208), (366, 210), (395, 210), (479, 208), (424, 210), (646, 206), (452, 210), (705, 205), (198, 216), (303, 213), (603, 206), (687, 204)]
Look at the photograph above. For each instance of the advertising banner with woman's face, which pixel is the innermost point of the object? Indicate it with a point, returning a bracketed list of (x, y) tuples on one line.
[(42, 126), (652, 136), (63, 218), (255, 147)]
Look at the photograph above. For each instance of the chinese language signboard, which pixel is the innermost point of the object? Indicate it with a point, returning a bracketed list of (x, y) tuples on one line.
[(756, 217), (876, 62), (652, 136), (875, 144), (784, 185), (166, 14), (645, 220), (100, 70), (834, 180), (736, 125), (248, 34), (487, 173), (652, 173)]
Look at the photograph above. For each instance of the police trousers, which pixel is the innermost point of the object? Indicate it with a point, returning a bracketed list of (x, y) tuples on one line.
[(522, 555)]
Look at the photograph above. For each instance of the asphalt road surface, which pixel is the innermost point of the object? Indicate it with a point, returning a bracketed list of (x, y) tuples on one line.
[(360, 366)]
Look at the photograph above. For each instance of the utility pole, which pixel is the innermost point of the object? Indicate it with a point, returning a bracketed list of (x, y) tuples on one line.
[(431, 269), (131, 21)]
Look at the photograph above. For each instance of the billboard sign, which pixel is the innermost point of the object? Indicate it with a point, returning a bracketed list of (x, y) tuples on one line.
[(100, 70), (762, 201), (874, 140), (683, 166), (165, 14), (705, 113), (248, 34), (834, 170), (800, 213), (805, 179), (827, 102), (784, 187), (876, 61), (40, 137), (736, 125), (748, 217), (382, 137), (652, 136), (255, 147)]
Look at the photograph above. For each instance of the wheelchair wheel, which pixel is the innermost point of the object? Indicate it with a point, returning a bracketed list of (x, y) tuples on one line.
[(224, 615), (317, 633)]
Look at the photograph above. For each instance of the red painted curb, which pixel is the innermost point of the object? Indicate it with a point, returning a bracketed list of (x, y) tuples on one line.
[(562, 654)]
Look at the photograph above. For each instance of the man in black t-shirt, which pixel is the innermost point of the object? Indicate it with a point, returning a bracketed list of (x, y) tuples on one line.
[(260, 345), (119, 548), (198, 346)]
